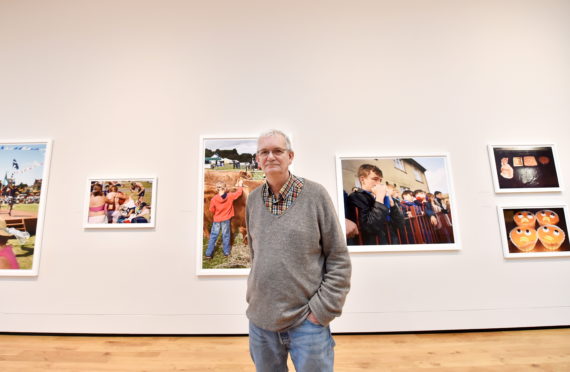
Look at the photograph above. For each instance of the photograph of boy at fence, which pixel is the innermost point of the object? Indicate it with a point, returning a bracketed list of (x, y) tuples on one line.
[(388, 201), (230, 175)]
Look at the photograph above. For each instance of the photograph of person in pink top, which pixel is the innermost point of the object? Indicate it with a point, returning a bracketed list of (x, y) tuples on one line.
[(7, 257), (24, 171), (121, 203)]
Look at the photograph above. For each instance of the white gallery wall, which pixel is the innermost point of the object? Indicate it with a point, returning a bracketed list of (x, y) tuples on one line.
[(128, 87)]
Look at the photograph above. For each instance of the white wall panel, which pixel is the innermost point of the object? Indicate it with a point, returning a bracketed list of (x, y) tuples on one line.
[(129, 86)]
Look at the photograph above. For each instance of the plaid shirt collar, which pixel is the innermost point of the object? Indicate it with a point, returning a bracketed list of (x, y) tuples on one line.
[(278, 204)]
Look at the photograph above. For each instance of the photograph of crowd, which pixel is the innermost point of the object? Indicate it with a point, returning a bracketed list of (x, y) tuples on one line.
[(524, 168), (23, 168), (121, 203), (229, 173), (396, 203), (534, 231)]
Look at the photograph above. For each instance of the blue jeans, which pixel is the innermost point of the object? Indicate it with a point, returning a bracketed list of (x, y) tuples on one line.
[(311, 347), (225, 227)]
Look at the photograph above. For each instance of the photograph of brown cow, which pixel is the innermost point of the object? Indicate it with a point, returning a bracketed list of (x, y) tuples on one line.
[(230, 174)]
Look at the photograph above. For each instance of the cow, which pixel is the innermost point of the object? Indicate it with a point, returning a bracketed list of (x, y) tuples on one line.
[(230, 178)]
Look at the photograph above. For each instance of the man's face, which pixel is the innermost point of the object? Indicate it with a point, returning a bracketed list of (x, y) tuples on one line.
[(367, 183), (273, 156)]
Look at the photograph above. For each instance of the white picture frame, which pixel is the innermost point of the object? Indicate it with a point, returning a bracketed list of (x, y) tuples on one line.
[(506, 215), (124, 187), (239, 250), (541, 175), (413, 236), (36, 161)]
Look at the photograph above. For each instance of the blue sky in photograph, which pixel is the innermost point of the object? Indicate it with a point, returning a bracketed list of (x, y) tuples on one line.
[(436, 172), (27, 156), (241, 145)]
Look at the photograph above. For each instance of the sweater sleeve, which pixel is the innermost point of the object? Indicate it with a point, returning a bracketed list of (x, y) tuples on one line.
[(327, 302), (429, 210), (371, 216), (236, 194), (213, 204), (397, 215)]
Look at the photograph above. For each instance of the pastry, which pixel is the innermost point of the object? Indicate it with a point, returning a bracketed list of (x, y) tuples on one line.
[(551, 236), (530, 161), (524, 239), (525, 219), (547, 217), (506, 169), (518, 161), (544, 160)]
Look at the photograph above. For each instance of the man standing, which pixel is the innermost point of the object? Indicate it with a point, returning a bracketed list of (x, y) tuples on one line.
[(300, 272)]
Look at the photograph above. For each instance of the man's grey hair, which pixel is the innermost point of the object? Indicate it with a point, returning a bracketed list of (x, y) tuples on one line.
[(274, 132)]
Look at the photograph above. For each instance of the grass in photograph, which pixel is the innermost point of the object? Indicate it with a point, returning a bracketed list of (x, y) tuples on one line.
[(24, 253), (238, 259), (26, 207), (21, 207)]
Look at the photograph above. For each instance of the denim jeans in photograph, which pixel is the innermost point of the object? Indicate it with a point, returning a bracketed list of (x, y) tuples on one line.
[(214, 233), (311, 347)]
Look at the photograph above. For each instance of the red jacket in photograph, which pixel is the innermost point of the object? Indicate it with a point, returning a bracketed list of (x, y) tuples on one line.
[(223, 208)]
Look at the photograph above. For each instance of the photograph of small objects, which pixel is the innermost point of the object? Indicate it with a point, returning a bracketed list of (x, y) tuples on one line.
[(524, 168)]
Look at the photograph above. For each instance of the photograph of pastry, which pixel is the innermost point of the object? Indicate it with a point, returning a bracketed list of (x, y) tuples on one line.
[(524, 239), (534, 231), (524, 168)]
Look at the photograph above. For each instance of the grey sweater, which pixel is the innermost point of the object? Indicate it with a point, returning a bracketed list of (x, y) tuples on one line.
[(300, 262)]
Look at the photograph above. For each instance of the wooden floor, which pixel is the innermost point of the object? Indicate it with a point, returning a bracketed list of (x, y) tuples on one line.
[(529, 350)]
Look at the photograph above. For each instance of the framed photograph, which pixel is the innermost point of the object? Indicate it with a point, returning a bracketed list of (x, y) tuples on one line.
[(228, 174), (524, 168), (24, 170), (397, 203), (120, 203), (534, 231)]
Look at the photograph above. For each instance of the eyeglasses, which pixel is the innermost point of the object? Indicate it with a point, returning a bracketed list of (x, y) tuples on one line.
[(276, 152)]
